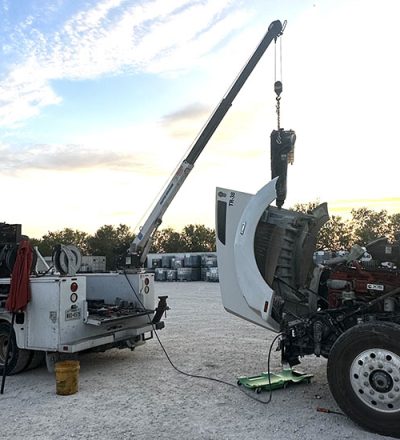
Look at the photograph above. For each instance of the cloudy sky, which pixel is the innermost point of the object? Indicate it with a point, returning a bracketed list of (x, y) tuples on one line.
[(100, 100)]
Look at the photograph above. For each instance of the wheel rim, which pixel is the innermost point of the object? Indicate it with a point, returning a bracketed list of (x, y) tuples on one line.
[(375, 378)]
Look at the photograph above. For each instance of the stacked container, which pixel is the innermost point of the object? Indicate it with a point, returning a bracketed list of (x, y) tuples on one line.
[(156, 262), (166, 261), (188, 274), (171, 275), (176, 263), (185, 267), (160, 274), (212, 274)]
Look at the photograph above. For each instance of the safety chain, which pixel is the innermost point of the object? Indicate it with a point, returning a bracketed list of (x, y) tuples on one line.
[(278, 91), (278, 111)]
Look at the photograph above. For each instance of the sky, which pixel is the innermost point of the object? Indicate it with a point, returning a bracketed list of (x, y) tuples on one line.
[(100, 100)]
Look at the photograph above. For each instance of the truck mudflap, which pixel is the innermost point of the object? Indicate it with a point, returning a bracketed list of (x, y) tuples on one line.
[(264, 255)]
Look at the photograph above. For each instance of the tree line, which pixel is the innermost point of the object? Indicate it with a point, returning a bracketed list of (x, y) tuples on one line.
[(362, 227), (337, 234), (113, 241)]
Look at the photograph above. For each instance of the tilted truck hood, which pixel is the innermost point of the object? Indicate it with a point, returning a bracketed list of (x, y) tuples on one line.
[(265, 255)]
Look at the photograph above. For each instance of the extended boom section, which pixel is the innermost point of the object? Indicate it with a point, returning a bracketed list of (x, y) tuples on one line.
[(142, 243)]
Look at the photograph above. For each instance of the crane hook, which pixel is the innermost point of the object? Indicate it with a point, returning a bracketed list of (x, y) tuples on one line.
[(278, 88)]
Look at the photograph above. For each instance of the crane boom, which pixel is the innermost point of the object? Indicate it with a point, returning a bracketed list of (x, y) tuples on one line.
[(141, 244)]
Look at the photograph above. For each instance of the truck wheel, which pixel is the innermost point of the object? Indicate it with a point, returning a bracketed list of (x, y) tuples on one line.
[(18, 359), (37, 359), (364, 376)]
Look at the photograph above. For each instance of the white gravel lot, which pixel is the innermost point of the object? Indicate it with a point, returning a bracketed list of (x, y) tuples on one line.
[(138, 395)]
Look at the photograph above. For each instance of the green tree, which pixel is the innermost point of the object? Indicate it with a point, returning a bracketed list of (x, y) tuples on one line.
[(307, 208), (35, 241), (394, 225), (112, 242), (67, 236), (368, 225), (335, 235), (199, 238), (169, 241)]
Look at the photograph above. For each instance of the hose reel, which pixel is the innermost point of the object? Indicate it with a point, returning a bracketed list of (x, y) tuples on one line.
[(10, 237), (67, 259)]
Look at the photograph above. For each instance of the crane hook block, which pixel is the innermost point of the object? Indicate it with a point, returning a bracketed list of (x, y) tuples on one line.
[(278, 87)]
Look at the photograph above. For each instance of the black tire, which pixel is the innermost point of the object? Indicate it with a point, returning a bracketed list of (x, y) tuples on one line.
[(37, 359), (364, 376), (18, 359)]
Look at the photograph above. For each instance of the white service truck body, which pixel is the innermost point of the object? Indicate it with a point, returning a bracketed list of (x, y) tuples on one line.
[(71, 314)]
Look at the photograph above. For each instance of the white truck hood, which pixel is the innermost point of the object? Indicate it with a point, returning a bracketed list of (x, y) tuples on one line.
[(264, 255)]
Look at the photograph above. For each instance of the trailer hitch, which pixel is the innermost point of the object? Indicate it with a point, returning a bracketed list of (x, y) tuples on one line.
[(161, 309)]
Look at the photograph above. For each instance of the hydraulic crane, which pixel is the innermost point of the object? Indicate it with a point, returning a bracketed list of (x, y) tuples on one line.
[(70, 312), (141, 244)]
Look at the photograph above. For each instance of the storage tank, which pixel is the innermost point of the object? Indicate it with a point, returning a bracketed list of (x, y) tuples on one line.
[(160, 274), (156, 262), (176, 263), (188, 274), (212, 274), (166, 261), (196, 274), (171, 275), (187, 260), (195, 261), (184, 274), (210, 261)]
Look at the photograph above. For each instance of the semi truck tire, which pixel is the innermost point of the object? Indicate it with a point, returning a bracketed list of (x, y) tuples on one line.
[(18, 358), (364, 376)]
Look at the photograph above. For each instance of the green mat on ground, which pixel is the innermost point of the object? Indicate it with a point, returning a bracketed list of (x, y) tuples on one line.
[(275, 380)]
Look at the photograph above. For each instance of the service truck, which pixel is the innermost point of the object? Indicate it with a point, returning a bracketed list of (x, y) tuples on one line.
[(70, 312)]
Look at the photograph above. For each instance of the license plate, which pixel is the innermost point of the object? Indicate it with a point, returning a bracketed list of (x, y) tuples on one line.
[(72, 314)]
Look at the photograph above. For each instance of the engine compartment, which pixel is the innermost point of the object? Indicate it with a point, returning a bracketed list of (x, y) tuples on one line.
[(315, 303), (351, 291)]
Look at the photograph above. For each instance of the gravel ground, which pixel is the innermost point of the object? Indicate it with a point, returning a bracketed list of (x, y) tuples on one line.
[(138, 395)]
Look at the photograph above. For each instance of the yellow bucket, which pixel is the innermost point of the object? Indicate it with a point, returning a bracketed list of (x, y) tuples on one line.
[(67, 377)]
